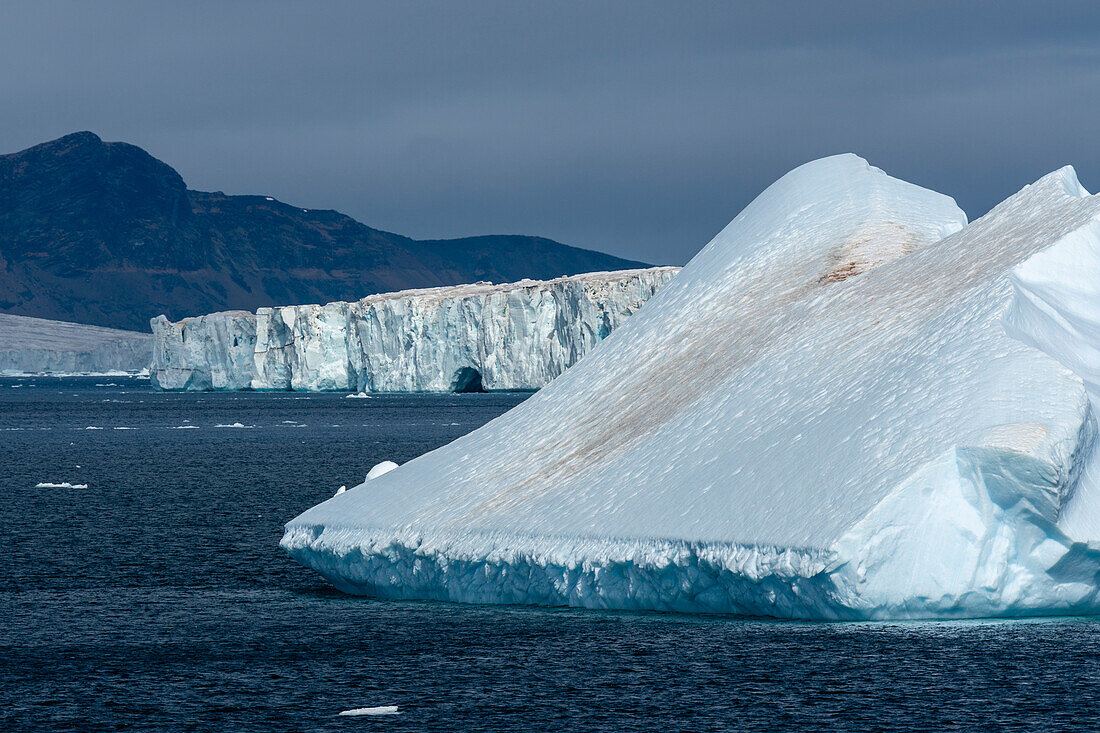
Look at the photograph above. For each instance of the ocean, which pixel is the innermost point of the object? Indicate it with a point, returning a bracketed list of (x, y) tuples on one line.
[(157, 599)]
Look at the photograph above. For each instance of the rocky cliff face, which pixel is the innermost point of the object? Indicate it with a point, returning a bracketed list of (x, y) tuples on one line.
[(104, 233), (462, 338)]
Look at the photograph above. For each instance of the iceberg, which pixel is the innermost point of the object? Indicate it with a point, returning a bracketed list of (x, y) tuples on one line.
[(379, 710), (513, 336), (851, 404), (380, 469)]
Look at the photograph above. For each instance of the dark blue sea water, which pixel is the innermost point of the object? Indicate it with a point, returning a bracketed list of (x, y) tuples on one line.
[(157, 599)]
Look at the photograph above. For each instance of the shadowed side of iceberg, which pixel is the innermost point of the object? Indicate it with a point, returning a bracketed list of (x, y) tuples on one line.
[(973, 535), (1056, 309), (649, 575)]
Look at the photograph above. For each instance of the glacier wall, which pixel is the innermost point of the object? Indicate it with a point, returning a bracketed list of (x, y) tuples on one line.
[(850, 405), (206, 352), (41, 346), (514, 336)]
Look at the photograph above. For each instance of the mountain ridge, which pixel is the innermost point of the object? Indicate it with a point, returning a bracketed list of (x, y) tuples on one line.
[(106, 234)]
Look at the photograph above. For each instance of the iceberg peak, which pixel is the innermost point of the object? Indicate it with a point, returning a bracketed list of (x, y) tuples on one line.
[(1068, 176)]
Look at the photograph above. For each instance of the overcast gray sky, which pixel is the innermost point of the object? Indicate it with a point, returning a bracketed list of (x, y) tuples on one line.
[(637, 128)]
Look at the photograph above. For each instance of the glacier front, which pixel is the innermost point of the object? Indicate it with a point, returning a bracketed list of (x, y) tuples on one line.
[(41, 346), (512, 336), (851, 404)]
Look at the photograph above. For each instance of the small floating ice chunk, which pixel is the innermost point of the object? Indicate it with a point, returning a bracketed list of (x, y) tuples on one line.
[(381, 710), (381, 468), (234, 425), (341, 490), (357, 396), (185, 427), (62, 485), (124, 428), (93, 427)]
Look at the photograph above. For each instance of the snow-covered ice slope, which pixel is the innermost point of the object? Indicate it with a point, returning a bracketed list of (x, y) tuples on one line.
[(822, 416), (41, 346), (499, 337)]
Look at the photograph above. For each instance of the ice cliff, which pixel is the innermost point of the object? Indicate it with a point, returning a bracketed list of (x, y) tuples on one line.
[(41, 346), (849, 405), (206, 352), (481, 336)]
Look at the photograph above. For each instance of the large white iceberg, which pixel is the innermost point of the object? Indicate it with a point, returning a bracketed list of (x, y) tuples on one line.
[(849, 405), (463, 337)]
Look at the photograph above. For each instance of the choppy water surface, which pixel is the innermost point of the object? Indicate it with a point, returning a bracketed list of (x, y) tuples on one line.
[(157, 599)]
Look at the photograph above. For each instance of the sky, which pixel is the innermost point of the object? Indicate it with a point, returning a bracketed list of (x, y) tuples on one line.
[(636, 128)]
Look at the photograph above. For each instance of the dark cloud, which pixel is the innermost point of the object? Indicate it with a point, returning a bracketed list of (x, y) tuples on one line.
[(637, 128)]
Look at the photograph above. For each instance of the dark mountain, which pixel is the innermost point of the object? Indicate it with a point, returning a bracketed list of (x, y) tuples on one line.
[(104, 233)]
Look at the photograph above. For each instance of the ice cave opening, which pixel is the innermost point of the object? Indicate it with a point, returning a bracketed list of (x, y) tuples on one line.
[(467, 379)]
